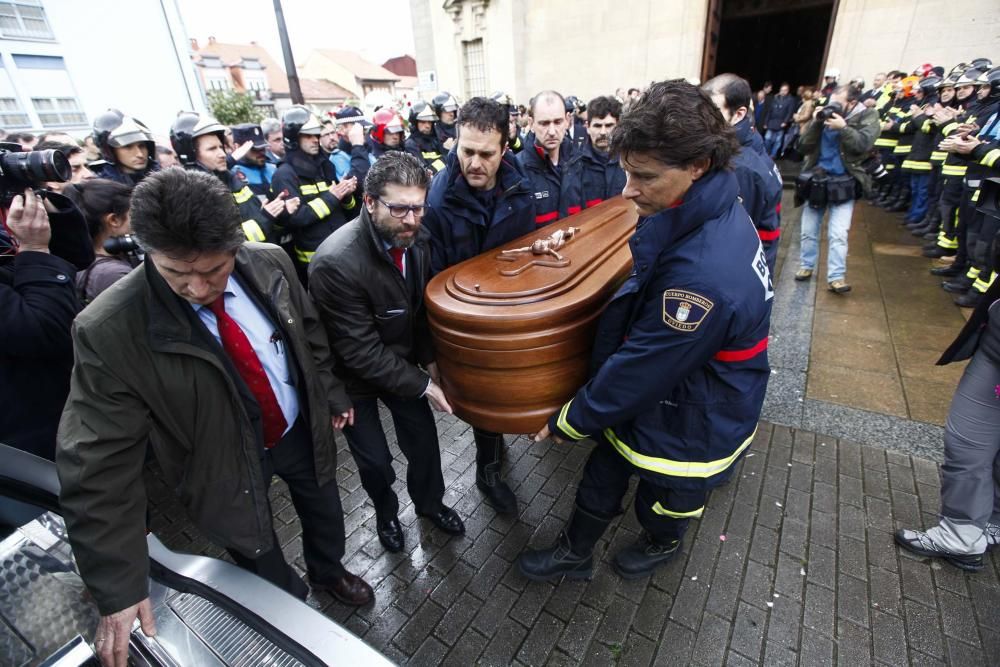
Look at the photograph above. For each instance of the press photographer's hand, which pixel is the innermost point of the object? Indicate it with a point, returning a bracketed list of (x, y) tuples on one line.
[(29, 223)]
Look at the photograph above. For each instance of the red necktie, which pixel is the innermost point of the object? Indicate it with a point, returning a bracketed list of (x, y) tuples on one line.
[(397, 257), (239, 349)]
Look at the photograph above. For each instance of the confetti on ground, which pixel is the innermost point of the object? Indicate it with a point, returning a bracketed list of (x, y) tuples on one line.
[(776, 595), (722, 538), (789, 465), (777, 503), (770, 604), (694, 578), (750, 454), (802, 571)]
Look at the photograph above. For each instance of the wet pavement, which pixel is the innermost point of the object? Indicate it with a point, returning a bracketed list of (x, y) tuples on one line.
[(793, 562)]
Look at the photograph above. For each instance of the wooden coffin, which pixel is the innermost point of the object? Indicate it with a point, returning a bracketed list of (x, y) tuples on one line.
[(513, 331)]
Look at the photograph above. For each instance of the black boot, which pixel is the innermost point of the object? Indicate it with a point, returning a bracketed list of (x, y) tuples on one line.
[(489, 464), (926, 229), (949, 271), (573, 553), (643, 556), (937, 252)]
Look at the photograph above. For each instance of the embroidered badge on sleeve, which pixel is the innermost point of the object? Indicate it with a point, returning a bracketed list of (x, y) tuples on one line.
[(683, 310)]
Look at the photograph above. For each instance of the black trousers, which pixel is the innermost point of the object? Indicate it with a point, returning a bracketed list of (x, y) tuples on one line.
[(319, 511), (416, 434), (664, 512)]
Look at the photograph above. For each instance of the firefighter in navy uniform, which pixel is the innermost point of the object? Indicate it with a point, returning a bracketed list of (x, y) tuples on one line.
[(551, 162), (576, 126), (602, 176), (680, 356), (253, 167), (423, 142), (956, 209), (324, 202), (446, 107), (930, 226), (515, 143), (919, 129), (758, 176), (980, 148), (899, 119), (128, 150), (199, 143)]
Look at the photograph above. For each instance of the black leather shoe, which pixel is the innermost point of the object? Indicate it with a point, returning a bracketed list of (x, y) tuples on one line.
[(959, 285), (970, 299), (643, 556), (920, 543), (390, 534), (447, 520), (937, 252), (949, 271), (556, 561), (349, 589)]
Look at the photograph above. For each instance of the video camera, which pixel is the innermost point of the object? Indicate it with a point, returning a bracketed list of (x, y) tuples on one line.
[(126, 244), (20, 171)]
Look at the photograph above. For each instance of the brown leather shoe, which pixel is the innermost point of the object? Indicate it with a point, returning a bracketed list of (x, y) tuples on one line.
[(349, 589)]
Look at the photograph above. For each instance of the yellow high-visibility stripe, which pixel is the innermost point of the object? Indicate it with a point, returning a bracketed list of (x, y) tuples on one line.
[(889, 166), (972, 273), (954, 169), (916, 165), (437, 165), (430, 155), (975, 196), (320, 208), (981, 285), (351, 203), (252, 231), (949, 128), (938, 156), (309, 189), (565, 425), (947, 243), (672, 468), (990, 158), (901, 149), (322, 186), (304, 256), (243, 195), (886, 141), (693, 514)]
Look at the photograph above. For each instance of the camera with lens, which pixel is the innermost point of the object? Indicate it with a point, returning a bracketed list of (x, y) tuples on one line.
[(121, 245), (20, 171), (827, 112)]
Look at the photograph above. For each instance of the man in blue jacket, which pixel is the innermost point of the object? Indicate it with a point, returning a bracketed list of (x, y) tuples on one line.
[(480, 200), (551, 162), (759, 178), (680, 355), (778, 118), (602, 176)]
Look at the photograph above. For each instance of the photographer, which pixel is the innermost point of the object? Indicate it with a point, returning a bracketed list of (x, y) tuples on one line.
[(835, 144), (105, 205), (38, 303)]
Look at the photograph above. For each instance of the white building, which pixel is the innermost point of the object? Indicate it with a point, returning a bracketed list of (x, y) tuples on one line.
[(63, 62)]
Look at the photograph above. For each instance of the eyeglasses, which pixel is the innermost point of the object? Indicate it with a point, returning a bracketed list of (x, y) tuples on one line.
[(400, 210)]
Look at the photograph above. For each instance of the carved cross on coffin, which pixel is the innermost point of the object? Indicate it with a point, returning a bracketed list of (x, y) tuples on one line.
[(542, 248)]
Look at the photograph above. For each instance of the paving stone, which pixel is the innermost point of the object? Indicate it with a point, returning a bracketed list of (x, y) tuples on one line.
[(494, 609), (821, 566), (544, 634), (779, 656), (851, 557), (712, 640), (901, 478), (453, 624), (820, 611), (958, 617), (853, 644), (963, 654), (748, 631), (757, 586), (885, 592), (677, 647), (637, 651), (764, 547), (688, 603), (617, 621), (923, 626), (412, 635), (505, 642), (889, 638), (652, 614), (917, 581), (816, 651), (431, 652), (467, 651), (579, 631)]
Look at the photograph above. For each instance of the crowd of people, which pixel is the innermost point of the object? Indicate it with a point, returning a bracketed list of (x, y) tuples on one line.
[(258, 287)]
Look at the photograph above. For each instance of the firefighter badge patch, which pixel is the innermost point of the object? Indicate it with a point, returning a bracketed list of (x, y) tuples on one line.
[(683, 310)]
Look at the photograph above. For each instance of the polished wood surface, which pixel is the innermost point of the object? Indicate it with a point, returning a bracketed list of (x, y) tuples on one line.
[(513, 335)]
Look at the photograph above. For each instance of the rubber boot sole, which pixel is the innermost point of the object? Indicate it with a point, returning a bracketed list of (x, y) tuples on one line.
[(967, 563), (571, 574)]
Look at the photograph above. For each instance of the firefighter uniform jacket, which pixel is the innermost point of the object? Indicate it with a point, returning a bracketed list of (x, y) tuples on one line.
[(427, 148), (760, 189), (258, 225), (258, 178), (680, 355), (310, 177), (921, 129), (557, 188), (602, 177)]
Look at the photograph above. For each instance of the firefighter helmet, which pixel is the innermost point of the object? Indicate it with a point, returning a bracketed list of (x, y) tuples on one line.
[(295, 121), (444, 101), (981, 63), (385, 121), (505, 100), (113, 129), (421, 111), (991, 79), (187, 127), (969, 77), (929, 85)]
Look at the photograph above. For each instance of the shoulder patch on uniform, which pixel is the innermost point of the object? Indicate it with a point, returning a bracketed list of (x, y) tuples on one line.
[(684, 310)]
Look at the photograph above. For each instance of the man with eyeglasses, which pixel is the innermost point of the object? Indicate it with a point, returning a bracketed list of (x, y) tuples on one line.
[(368, 280)]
